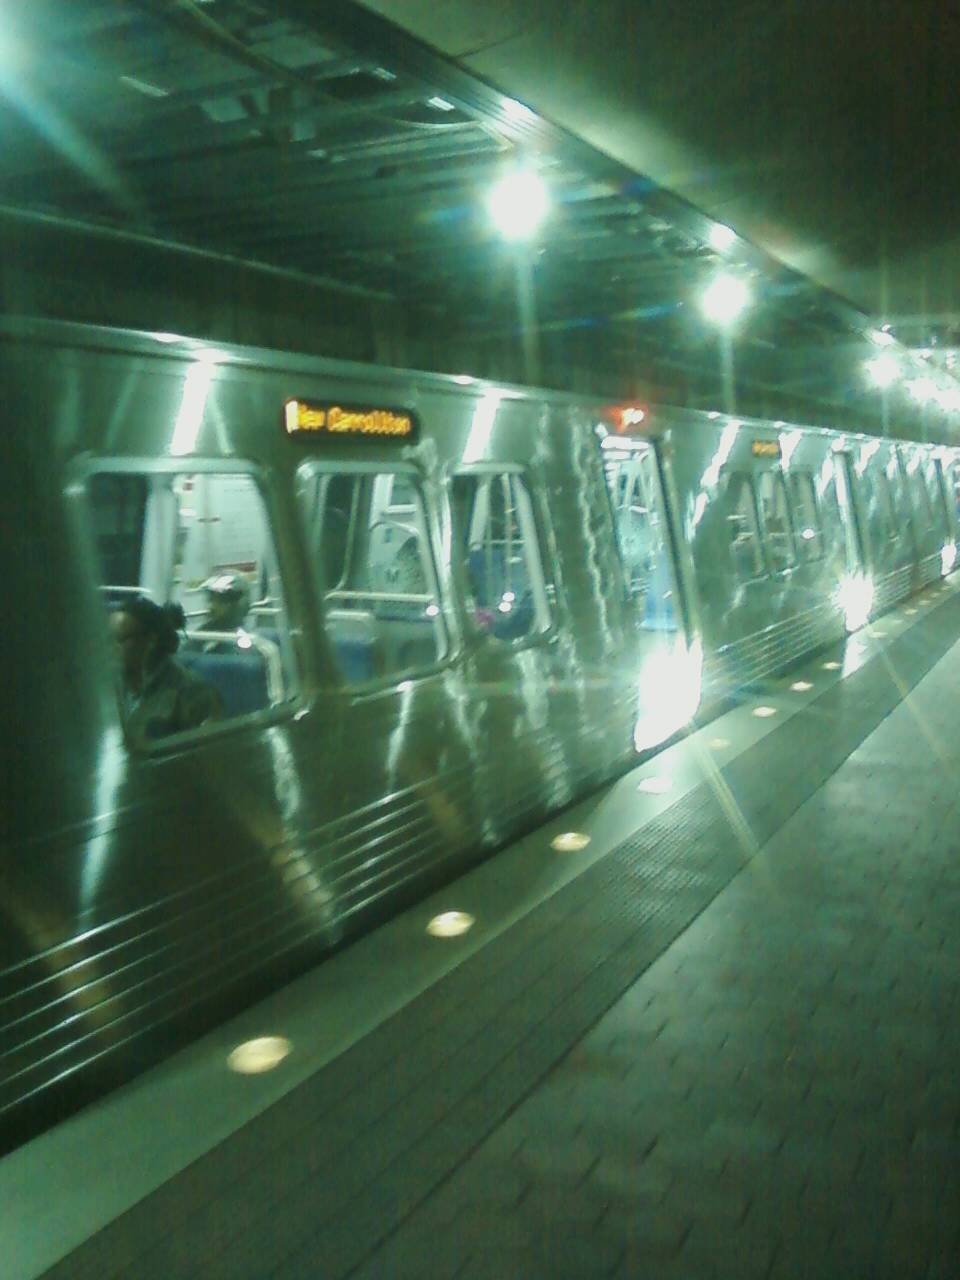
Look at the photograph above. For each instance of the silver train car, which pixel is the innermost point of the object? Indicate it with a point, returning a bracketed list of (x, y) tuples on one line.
[(457, 608)]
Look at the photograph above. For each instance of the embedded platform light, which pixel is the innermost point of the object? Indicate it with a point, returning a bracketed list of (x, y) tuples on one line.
[(518, 204), (882, 370), (801, 686), (724, 299), (655, 786), (570, 842), (450, 924), (253, 1057), (764, 713), (722, 237), (831, 666)]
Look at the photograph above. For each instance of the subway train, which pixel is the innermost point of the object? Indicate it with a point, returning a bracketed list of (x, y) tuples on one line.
[(455, 608)]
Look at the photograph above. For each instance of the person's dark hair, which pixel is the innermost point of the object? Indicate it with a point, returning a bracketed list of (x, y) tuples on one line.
[(162, 621)]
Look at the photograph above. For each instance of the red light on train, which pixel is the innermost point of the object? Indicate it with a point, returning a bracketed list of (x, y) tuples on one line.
[(629, 419)]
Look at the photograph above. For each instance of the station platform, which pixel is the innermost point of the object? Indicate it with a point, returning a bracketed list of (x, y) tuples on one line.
[(716, 1036)]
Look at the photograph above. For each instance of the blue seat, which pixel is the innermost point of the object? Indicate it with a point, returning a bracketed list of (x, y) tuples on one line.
[(354, 635), (239, 677)]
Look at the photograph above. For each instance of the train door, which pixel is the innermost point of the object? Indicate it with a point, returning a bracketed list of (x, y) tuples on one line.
[(855, 594), (669, 662)]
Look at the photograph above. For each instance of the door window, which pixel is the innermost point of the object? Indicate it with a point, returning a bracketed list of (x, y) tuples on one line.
[(743, 532), (633, 481), (496, 539), (368, 534), (806, 513), (775, 511)]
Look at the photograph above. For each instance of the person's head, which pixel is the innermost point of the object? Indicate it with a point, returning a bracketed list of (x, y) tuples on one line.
[(228, 601), (145, 634)]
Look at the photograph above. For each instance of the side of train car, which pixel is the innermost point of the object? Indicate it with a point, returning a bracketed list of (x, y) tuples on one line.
[(467, 606)]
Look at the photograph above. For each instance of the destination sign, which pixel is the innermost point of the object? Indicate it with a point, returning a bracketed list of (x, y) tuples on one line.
[(310, 421), (766, 448)]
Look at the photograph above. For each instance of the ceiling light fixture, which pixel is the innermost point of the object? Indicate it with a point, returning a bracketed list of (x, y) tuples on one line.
[(725, 299), (518, 204)]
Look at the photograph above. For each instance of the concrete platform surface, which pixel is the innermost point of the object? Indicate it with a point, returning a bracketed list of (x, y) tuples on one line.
[(723, 1041)]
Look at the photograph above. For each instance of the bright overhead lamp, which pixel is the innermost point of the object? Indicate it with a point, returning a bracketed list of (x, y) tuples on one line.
[(722, 237), (724, 299), (518, 204), (882, 337), (922, 389), (882, 370)]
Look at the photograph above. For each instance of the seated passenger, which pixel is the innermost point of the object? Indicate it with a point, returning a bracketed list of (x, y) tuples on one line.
[(228, 602), (161, 697)]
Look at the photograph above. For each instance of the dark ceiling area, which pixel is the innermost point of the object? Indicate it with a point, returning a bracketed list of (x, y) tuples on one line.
[(320, 140), (824, 130)]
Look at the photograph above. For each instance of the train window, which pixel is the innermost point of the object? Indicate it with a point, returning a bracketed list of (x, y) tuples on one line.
[(368, 533), (496, 537), (806, 515), (743, 530), (201, 542)]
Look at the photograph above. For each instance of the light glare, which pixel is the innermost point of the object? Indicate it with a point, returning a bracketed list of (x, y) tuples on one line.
[(655, 786), (882, 370), (518, 204), (724, 299), (722, 237)]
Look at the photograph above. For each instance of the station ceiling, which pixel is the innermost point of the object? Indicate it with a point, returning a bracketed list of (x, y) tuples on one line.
[(320, 139), (826, 131)]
